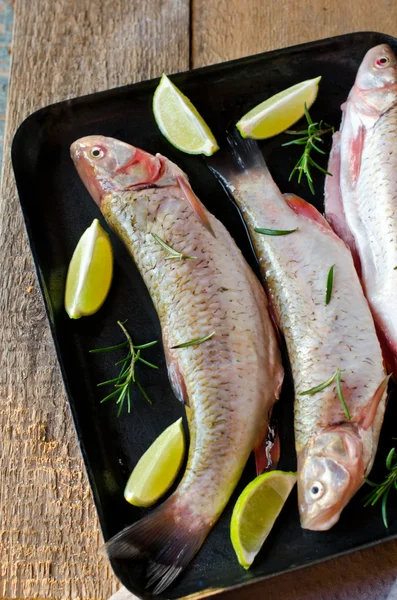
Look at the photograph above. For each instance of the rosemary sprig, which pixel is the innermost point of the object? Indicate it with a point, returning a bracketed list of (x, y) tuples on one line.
[(127, 377), (330, 283), (382, 490), (336, 376), (194, 342), (274, 231), (173, 253), (309, 138)]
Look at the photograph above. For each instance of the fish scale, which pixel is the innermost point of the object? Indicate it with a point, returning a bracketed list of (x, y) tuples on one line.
[(333, 453), (361, 197), (230, 382), (376, 195)]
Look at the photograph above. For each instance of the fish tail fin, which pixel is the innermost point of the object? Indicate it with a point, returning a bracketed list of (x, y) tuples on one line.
[(246, 157), (167, 538)]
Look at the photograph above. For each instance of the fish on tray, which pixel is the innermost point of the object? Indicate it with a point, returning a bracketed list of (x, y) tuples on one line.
[(361, 196), (230, 381), (330, 345)]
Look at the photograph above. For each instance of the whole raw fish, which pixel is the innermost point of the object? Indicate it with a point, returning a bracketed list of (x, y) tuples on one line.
[(334, 452), (361, 197), (230, 381)]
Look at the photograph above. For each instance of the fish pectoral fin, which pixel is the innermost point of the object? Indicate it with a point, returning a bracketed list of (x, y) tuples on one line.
[(194, 203), (176, 378), (356, 150), (304, 209), (368, 417), (267, 449)]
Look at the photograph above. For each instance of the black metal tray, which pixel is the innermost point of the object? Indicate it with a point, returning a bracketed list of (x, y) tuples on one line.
[(57, 209)]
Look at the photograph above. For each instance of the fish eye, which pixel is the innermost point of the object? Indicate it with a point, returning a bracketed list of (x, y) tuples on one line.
[(316, 490), (382, 61), (96, 152)]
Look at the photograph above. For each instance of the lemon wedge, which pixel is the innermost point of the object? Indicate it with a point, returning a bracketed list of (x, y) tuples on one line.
[(180, 122), (90, 273), (157, 469), (278, 113), (255, 512)]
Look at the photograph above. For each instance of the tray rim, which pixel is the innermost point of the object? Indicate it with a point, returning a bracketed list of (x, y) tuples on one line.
[(205, 68), (210, 591)]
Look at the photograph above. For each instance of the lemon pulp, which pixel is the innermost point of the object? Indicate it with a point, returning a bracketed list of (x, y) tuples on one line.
[(281, 111), (90, 273), (256, 511), (157, 469), (180, 122)]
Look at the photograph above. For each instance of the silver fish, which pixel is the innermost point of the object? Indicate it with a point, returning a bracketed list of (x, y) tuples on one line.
[(361, 196), (334, 452), (231, 381)]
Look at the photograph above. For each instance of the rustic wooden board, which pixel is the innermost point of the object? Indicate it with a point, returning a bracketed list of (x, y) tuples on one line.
[(49, 535), (228, 29)]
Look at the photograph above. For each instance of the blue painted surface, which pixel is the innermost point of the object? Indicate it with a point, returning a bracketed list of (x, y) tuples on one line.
[(6, 21)]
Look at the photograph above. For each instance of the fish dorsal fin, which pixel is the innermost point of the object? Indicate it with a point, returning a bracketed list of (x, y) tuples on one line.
[(194, 203), (303, 208), (370, 413)]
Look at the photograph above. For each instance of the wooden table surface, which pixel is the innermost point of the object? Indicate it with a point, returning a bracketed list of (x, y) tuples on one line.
[(49, 534)]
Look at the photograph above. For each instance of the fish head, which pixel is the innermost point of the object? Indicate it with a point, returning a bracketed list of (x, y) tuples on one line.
[(330, 470), (375, 89), (106, 164)]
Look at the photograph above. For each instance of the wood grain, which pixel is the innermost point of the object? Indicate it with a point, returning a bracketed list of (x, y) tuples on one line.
[(228, 29), (49, 534)]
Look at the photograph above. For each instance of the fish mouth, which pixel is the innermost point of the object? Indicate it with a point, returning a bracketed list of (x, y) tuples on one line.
[(321, 521)]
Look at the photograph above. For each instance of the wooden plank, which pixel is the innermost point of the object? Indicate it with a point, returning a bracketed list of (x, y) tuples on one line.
[(229, 29), (49, 534)]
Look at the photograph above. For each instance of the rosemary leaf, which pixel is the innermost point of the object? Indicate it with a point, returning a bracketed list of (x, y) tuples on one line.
[(110, 381), (340, 394), (320, 387), (389, 459), (313, 145), (146, 362), (110, 395), (144, 394), (330, 282), (384, 507), (314, 164), (109, 348), (123, 360), (300, 142), (274, 231), (194, 342), (371, 483), (143, 346), (120, 401), (173, 253)]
